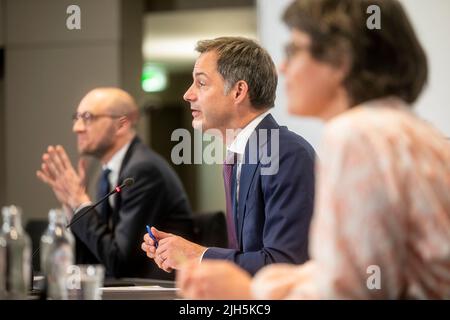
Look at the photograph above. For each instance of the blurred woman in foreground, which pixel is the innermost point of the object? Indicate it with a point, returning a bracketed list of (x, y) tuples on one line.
[(381, 227)]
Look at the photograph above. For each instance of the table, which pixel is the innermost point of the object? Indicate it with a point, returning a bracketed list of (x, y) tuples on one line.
[(124, 289)]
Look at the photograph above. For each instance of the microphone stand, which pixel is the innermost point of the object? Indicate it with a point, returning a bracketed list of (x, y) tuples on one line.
[(91, 207), (127, 182)]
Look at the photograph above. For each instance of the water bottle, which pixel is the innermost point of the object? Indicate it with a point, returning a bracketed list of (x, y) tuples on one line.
[(57, 253), (2, 267), (18, 254)]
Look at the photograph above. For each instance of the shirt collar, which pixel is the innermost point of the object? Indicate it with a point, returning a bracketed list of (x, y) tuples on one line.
[(116, 160), (240, 142)]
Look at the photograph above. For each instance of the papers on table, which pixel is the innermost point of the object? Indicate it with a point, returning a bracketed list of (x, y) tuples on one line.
[(137, 288), (139, 293)]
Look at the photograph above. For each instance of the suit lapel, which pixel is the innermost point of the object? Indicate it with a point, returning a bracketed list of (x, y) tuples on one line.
[(247, 174), (118, 197), (249, 169)]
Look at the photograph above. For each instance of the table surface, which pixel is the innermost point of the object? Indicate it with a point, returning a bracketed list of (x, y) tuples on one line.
[(139, 289), (126, 289)]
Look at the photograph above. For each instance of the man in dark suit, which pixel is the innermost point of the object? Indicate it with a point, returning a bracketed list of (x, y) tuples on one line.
[(269, 177), (111, 233)]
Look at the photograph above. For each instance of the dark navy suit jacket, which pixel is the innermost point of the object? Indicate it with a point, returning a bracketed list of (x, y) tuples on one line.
[(157, 198), (274, 208)]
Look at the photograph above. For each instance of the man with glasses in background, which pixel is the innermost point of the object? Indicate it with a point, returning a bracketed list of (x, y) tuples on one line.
[(110, 234)]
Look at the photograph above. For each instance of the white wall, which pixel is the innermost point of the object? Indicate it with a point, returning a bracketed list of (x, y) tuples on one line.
[(273, 36), (431, 20), (2, 112), (48, 70), (1, 23)]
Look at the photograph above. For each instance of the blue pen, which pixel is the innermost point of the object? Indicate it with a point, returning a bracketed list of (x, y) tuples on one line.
[(152, 236)]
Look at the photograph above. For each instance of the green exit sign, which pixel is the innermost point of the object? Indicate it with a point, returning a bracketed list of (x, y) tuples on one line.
[(154, 78)]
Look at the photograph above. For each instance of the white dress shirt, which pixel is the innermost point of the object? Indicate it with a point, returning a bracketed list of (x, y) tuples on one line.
[(114, 165), (240, 142)]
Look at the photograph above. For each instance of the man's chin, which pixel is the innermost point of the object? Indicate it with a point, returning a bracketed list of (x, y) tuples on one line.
[(197, 124), (85, 152)]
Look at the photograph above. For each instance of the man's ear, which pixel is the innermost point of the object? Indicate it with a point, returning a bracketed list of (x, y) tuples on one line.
[(240, 91), (124, 122)]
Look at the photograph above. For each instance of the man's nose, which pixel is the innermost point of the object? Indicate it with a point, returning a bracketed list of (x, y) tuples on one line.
[(78, 125), (189, 95)]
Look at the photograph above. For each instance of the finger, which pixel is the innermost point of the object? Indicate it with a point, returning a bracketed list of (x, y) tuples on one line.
[(158, 261), (45, 157), (150, 245), (150, 254), (46, 179), (167, 267), (43, 177), (168, 270), (152, 249), (82, 165), (50, 166), (147, 250), (160, 264), (160, 234), (163, 262), (162, 248), (56, 160), (62, 157), (46, 170), (149, 241), (162, 257), (172, 243), (169, 262)]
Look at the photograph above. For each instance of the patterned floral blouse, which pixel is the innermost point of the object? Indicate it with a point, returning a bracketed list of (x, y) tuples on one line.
[(381, 227)]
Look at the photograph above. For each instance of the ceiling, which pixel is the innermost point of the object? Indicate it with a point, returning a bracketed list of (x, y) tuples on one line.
[(170, 36), (171, 5)]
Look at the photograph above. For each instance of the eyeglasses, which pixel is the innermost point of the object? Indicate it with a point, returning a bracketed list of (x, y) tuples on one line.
[(88, 117), (291, 49)]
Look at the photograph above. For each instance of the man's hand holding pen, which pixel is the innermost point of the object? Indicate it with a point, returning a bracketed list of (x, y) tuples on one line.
[(170, 251)]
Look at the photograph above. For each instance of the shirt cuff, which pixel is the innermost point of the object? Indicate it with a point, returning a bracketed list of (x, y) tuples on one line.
[(201, 257), (81, 206)]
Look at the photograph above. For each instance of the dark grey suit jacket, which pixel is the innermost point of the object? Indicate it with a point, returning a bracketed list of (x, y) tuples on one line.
[(156, 198)]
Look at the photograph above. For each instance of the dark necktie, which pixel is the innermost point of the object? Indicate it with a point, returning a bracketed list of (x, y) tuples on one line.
[(103, 189), (229, 191)]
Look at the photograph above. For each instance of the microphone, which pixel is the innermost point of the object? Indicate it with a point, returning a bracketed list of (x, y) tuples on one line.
[(128, 182)]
